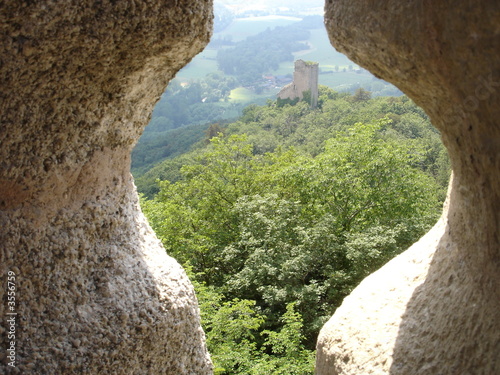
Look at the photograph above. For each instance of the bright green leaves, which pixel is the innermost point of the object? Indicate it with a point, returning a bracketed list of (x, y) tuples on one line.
[(289, 354), (275, 259), (279, 239), (238, 344), (224, 173), (366, 179), (231, 336), (288, 340)]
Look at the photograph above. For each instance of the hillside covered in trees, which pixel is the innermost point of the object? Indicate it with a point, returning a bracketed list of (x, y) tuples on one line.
[(248, 62), (279, 215)]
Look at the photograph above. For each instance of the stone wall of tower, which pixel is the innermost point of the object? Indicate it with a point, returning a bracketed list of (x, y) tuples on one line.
[(305, 78)]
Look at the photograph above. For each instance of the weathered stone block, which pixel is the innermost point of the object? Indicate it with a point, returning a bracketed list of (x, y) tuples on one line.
[(95, 291), (442, 316)]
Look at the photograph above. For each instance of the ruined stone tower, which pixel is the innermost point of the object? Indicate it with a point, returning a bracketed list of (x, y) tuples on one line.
[(305, 78)]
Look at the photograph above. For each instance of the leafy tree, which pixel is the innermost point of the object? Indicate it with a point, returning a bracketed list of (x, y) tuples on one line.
[(361, 95), (286, 212), (213, 131), (290, 357), (257, 226), (159, 146), (231, 336), (237, 343)]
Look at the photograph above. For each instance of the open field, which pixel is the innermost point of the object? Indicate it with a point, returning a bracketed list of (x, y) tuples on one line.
[(241, 28), (320, 51), (323, 52), (342, 80), (203, 64), (244, 95)]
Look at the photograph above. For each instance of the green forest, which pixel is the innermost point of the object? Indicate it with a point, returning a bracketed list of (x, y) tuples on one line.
[(278, 215)]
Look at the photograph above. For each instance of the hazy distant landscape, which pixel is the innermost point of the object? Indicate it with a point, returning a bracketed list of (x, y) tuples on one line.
[(338, 71), (250, 57), (264, 7)]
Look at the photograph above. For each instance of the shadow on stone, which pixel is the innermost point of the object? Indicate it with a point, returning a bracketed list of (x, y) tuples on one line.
[(95, 291), (451, 324)]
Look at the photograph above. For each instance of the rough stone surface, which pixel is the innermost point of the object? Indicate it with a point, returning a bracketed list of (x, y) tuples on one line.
[(95, 291), (442, 316)]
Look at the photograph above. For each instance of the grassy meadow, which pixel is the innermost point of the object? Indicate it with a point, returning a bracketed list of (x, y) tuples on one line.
[(203, 64), (244, 95)]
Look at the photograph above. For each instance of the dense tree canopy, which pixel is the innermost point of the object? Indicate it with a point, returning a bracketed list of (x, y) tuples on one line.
[(283, 212), (269, 127)]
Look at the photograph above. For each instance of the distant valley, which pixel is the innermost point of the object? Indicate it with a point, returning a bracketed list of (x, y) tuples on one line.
[(249, 59)]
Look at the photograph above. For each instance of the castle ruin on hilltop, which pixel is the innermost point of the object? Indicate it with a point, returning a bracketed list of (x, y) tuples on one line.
[(305, 79)]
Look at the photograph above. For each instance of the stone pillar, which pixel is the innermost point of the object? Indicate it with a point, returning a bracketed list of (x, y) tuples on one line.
[(436, 308), (95, 291)]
